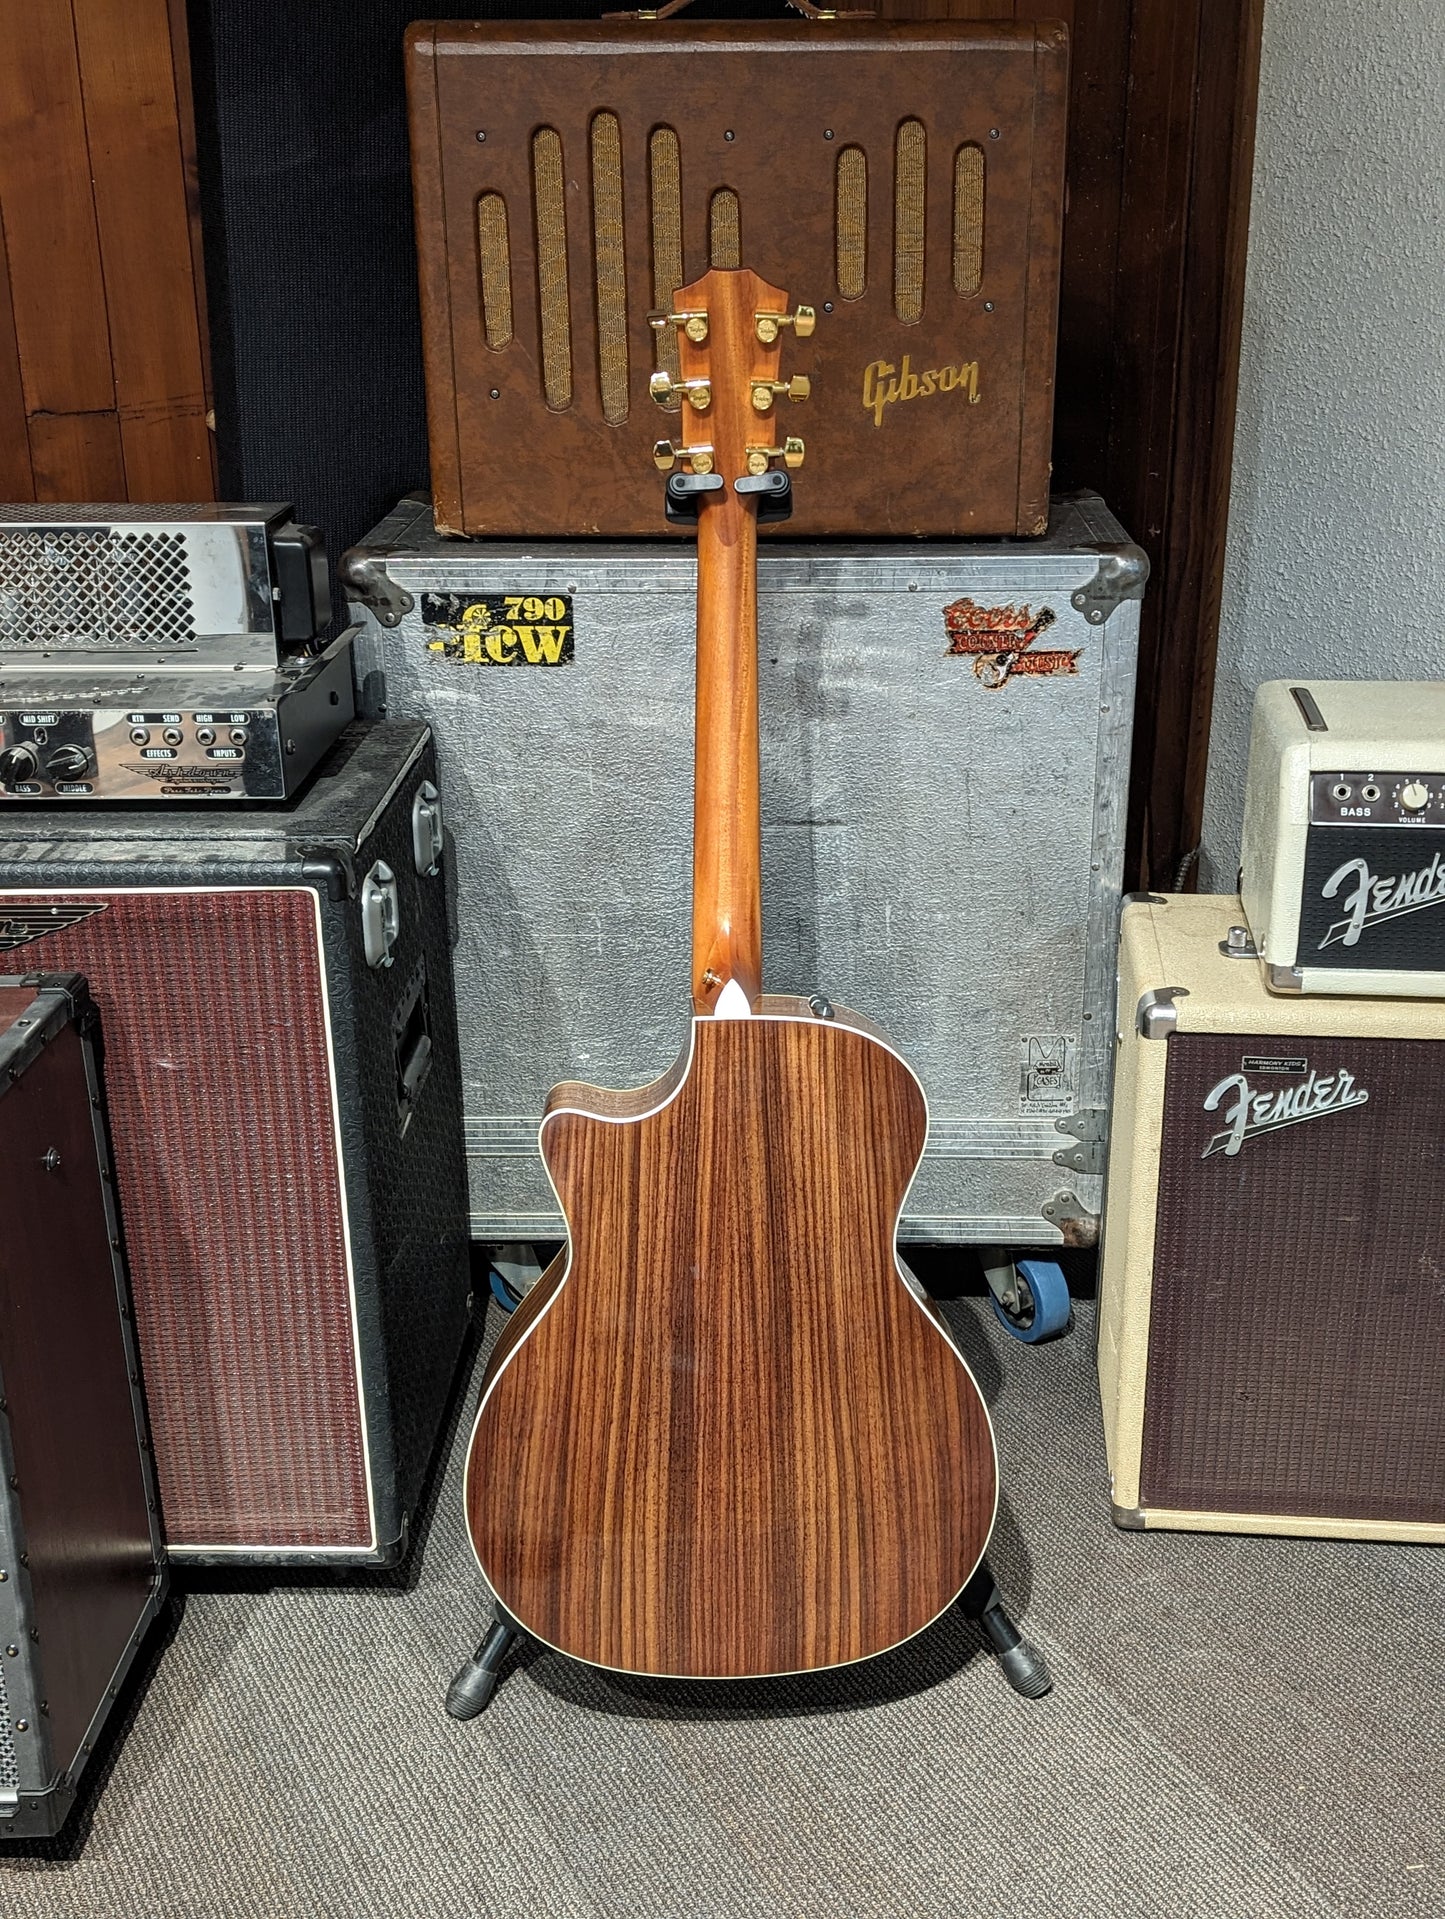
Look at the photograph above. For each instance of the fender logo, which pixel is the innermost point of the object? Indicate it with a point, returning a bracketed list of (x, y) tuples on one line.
[(1253, 1113), (884, 384), (1374, 899)]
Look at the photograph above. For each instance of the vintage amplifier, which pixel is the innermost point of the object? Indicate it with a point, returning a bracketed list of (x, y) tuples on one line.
[(282, 1075), (164, 653), (82, 1568), (903, 182), (1342, 863), (945, 756), (1271, 1314)]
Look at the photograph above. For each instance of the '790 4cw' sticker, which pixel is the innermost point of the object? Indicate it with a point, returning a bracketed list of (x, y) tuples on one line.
[(505, 629)]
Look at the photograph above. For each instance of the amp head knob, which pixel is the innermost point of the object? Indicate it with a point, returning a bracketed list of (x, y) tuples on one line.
[(69, 762), (17, 764), (1414, 796)]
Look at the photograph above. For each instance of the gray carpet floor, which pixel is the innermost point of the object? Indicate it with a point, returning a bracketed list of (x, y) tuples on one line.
[(1238, 1727)]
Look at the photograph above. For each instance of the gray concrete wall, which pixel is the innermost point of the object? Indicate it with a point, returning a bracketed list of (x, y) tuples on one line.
[(1336, 558)]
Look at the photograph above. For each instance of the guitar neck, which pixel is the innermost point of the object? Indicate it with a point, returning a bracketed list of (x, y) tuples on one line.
[(727, 905), (727, 934)]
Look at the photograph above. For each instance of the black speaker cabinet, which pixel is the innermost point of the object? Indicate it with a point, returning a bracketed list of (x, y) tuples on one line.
[(282, 1071), (82, 1570)]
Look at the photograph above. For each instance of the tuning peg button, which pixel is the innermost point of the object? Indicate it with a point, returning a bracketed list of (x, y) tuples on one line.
[(790, 453), (665, 456), (698, 393), (692, 322), (798, 388), (768, 325)]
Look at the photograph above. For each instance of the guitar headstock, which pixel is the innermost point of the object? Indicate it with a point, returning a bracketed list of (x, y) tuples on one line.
[(730, 331)]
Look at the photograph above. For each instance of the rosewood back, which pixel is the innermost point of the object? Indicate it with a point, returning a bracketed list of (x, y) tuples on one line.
[(731, 1441)]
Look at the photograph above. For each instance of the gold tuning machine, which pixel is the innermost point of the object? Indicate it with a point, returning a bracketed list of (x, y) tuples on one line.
[(764, 391), (698, 393), (790, 453), (769, 325), (665, 456), (693, 322)]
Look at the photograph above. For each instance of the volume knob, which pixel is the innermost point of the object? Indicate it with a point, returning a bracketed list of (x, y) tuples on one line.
[(18, 764), (1414, 797), (69, 762)]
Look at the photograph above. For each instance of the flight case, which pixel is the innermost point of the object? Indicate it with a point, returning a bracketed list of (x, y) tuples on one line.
[(945, 756)]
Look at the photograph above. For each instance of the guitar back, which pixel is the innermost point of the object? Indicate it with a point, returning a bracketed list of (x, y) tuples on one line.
[(726, 1438)]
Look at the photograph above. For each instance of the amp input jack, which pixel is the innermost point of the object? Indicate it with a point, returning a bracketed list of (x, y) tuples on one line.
[(1340, 792)]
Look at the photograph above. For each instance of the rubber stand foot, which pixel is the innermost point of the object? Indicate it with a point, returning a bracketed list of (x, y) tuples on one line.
[(471, 1691), (1025, 1670)]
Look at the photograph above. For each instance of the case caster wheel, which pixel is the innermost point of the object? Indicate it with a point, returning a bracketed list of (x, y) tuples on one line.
[(1037, 1305), (502, 1292)]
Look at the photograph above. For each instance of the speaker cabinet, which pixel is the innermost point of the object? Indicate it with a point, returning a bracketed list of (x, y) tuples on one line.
[(82, 1571), (284, 1095), (1272, 1310)]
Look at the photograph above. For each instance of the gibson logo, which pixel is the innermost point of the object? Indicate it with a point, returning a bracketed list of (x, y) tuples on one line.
[(1380, 899), (883, 384), (1252, 1113)]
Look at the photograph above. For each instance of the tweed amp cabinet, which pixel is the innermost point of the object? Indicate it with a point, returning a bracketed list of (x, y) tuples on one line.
[(163, 653), (1271, 1314), (1343, 855), (82, 1568), (904, 183), (945, 758), (282, 1075)]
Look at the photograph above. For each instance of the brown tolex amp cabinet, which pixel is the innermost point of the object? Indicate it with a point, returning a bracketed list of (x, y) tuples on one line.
[(903, 181)]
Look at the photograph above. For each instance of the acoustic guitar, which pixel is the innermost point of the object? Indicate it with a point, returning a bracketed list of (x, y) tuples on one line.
[(726, 1435)]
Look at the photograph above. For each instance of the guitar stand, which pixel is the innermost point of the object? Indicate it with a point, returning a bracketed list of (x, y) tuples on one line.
[(471, 1691), (1023, 1665)]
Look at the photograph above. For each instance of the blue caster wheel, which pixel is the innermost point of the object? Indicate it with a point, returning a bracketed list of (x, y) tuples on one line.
[(1044, 1308), (502, 1292)]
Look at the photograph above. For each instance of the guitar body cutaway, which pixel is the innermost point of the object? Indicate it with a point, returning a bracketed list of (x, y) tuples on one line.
[(724, 1437)]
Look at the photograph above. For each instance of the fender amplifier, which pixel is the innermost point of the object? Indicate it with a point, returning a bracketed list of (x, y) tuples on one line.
[(903, 182), (1272, 1308), (82, 1571), (283, 1086), (1343, 854)]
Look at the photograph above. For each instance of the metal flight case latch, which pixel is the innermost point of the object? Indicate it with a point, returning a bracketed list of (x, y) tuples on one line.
[(1090, 1130)]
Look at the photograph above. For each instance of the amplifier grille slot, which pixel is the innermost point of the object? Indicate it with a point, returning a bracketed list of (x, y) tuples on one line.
[(9, 1764), (725, 229), (611, 266), (495, 259), (665, 161), (909, 193), (851, 223), (88, 588), (550, 210), (968, 220)]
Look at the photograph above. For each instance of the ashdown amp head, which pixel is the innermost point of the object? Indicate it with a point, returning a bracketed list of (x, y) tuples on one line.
[(1271, 1317), (1342, 868), (164, 653)]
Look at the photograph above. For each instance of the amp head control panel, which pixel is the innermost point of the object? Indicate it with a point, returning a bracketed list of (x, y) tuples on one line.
[(1378, 799)]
